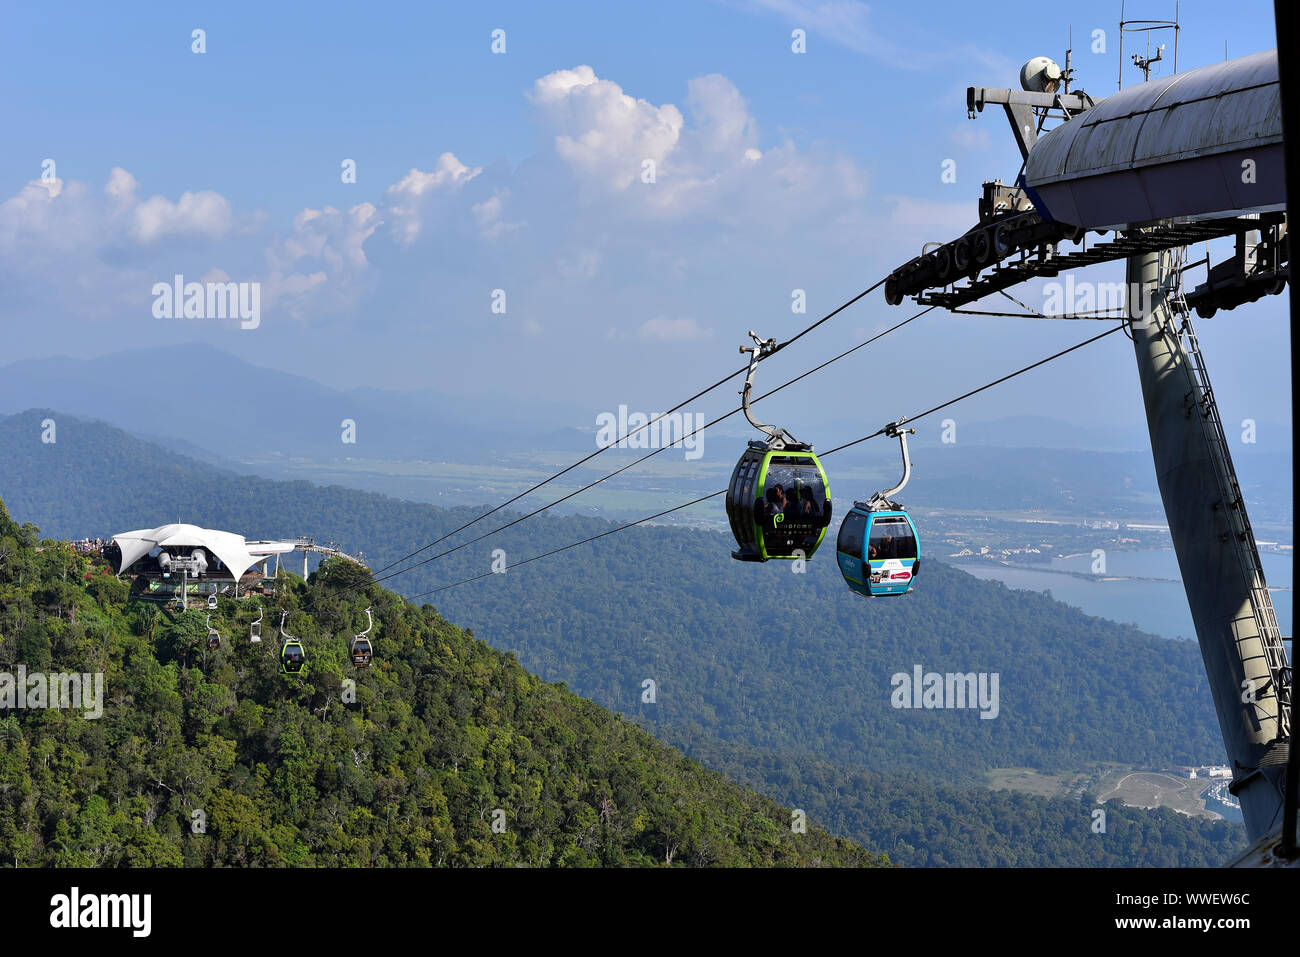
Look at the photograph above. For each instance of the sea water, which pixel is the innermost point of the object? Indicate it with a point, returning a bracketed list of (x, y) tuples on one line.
[(1157, 606)]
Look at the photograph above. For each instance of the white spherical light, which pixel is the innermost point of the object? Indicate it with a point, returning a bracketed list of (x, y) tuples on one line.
[(1040, 75)]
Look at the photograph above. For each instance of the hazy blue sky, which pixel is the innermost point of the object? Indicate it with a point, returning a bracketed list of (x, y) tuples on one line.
[(521, 171)]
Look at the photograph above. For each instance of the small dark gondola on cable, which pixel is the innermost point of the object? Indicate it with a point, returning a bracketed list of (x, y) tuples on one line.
[(778, 502), (214, 636), (360, 649), (292, 655), (878, 549)]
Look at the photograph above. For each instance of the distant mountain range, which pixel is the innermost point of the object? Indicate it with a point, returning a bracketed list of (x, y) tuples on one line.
[(224, 405), (215, 408), (208, 403)]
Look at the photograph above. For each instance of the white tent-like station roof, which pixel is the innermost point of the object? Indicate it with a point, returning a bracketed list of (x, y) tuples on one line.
[(235, 553)]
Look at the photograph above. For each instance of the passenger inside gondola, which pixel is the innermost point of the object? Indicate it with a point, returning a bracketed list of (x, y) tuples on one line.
[(891, 538), (882, 544), (776, 501)]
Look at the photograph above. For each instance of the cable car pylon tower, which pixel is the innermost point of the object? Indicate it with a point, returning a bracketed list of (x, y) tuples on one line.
[(1181, 158), (1236, 626)]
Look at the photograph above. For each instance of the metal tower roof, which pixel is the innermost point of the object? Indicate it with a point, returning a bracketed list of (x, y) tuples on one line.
[(1174, 147)]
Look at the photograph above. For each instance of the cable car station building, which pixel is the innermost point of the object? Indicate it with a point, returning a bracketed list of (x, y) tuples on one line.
[(171, 560)]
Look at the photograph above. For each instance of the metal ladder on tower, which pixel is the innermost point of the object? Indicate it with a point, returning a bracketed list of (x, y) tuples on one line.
[(1243, 536)]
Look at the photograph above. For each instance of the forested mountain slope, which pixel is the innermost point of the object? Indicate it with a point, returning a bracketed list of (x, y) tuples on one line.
[(923, 824), (451, 753)]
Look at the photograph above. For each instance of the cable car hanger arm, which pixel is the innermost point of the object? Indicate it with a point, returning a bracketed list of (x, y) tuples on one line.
[(778, 438), (893, 431)]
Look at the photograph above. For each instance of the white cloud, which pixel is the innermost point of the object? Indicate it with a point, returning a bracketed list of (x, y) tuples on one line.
[(843, 22), (602, 131), (721, 117), (488, 216), (851, 24), (447, 171), (325, 243), (292, 291), (555, 87), (121, 186), (94, 253), (335, 238), (661, 329), (914, 222), (44, 218), (195, 214), (576, 213), (710, 170), (408, 197)]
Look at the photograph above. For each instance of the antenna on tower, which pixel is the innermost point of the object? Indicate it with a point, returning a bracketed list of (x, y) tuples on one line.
[(1148, 27), (1068, 73)]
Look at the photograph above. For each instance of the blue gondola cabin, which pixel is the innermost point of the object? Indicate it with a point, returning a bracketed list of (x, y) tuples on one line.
[(878, 551)]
